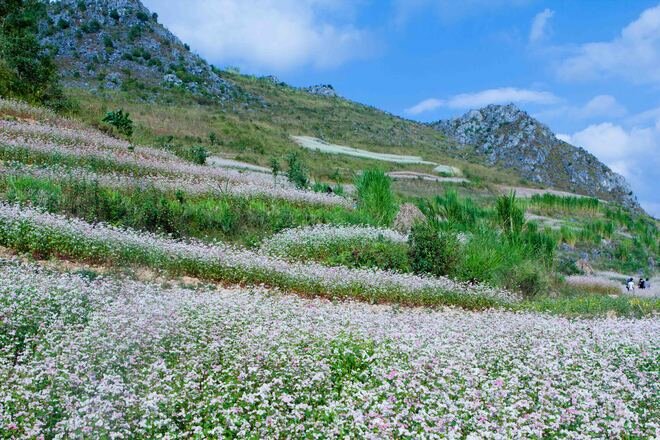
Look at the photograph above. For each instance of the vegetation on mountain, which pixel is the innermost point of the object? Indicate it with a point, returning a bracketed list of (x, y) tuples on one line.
[(27, 69)]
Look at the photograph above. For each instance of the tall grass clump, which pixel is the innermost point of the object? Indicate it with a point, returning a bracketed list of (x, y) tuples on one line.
[(473, 244), (375, 196), (551, 203), (510, 215), (453, 212)]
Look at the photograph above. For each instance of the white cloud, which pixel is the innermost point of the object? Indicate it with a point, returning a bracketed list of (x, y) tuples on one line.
[(540, 25), (598, 107), (503, 95), (267, 34), (602, 106), (633, 55), (632, 152), (425, 106)]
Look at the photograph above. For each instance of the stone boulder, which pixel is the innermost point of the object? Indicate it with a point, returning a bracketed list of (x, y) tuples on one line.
[(407, 216)]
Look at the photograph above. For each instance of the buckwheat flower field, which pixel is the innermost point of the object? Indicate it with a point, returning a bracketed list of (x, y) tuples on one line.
[(85, 143), (326, 235), (40, 232), (115, 358), (192, 185)]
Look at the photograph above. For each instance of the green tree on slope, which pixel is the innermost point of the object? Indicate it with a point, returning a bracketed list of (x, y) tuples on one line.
[(27, 70)]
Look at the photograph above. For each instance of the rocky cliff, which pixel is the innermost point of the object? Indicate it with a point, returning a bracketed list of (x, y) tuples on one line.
[(111, 43), (507, 136)]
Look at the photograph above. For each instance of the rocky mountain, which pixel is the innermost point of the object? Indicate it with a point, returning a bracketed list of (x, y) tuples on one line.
[(507, 136), (108, 43)]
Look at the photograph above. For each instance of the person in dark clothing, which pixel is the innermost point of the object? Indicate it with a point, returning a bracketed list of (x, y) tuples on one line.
[(642, 283)]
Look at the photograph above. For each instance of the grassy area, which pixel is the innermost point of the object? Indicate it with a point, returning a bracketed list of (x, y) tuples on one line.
[(259, 133), (244, 220)]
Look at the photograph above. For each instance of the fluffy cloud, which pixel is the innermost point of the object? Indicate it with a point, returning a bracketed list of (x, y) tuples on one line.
[(502, 95), (634, 55), (426, 105), (601, 106), (540, 25), (632, 152), (598, 107), (268, 34)]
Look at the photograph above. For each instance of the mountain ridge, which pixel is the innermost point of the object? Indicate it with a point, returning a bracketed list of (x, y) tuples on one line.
[(509, 137)]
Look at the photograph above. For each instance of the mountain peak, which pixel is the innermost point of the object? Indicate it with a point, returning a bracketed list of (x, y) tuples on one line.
[(114, 43), (507, 136)]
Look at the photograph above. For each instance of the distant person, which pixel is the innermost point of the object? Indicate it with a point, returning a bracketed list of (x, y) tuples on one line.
[(642, 283), (630, 285), (648, 283)]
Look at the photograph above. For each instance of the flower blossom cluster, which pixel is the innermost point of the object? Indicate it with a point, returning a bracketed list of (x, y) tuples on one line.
[(117, 358), (326, 235), (114, 240), (192, 185)]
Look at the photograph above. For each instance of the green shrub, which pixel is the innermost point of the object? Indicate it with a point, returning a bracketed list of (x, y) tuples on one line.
[(432, 251), (63, 24), (27, 70), (375, 196), (142, 16), (114, 15), (297, 172), (91, 27), (198, 155), (121, 121), (529, 279)]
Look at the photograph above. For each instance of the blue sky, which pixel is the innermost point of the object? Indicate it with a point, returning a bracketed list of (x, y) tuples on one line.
[(589, 69)]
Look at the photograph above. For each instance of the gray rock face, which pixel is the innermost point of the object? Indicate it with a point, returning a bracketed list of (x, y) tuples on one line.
[(507, 136), (322, 90), (105, 43)]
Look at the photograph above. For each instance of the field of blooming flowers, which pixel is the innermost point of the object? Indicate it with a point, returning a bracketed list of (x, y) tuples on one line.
[(44, 234), (114, 358), (354, 246), (78, 144)]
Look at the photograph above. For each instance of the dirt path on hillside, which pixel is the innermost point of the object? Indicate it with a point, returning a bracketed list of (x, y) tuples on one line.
[(412, 175), (522, 191)]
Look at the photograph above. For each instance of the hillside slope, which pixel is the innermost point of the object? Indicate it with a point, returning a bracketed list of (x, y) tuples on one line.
[(509, 137), (114, 53)]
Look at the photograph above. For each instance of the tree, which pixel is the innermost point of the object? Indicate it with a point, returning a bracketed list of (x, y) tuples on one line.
[(27, 70), (121, 121), (275, 168)]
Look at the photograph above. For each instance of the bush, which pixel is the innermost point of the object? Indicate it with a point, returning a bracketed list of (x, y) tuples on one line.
[(91, 27), (142, 16), (529, 279), (63, 24), (198, 155), (297, 172), (432, 251), (121, 121), (114, 15), (375, 197)]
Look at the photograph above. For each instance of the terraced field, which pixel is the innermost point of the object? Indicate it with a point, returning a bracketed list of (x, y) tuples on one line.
[(274, 311)]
